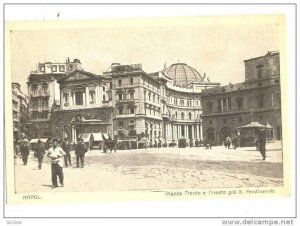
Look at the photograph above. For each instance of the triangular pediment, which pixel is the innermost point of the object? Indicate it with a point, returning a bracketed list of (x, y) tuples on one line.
[(78, 76)]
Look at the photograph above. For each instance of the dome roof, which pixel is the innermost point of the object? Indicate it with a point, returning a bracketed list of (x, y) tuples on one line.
[(182, 74)]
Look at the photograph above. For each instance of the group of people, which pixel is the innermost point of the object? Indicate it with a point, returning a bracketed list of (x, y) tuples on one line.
[(231, 141), (59, 153)]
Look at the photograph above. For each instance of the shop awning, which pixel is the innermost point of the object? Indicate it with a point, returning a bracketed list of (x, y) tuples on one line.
[(44, 140), (33, 141), (253, 125), (105, 136), (97, 136), (268, 126), (86, 137), (161, 140), (144, 140)]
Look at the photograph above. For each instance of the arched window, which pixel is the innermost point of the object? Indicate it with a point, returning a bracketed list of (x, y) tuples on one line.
[(176, 114), (145, 95), (182, 115), (190, 116), (45, 88), (34, 88)]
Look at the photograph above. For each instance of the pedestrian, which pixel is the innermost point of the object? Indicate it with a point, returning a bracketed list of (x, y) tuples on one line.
[(262, 142), (67, 148), (80, 151), (24, 149), (56, 154), (40, 152), (234, 141), (16, 149), (227, 142)]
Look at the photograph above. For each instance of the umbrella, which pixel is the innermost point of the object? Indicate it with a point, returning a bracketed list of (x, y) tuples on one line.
[(144, 140), (253, 125), (268, 126)]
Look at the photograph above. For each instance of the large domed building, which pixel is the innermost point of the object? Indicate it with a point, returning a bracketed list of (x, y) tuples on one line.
[(183, 75)]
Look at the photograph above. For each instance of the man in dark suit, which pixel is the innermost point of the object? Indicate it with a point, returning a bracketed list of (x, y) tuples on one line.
[(67, 147), (40, 152), (262, 142), (80, 151), (24, 149)]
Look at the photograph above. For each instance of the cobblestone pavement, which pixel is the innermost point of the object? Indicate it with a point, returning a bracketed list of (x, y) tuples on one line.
[(159, 169)]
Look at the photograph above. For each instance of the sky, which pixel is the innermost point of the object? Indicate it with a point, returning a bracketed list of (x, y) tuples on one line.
[(217, 50)]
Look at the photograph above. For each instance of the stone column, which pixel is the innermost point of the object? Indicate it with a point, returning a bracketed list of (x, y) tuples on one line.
[(87, 96), (201, 132), (193, 132), (84, 99)]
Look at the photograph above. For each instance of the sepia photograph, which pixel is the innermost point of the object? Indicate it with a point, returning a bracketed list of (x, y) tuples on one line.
[(174, 105)]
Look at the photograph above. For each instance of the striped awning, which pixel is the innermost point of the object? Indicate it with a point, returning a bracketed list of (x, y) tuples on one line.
[(97, 136), (33, 141)]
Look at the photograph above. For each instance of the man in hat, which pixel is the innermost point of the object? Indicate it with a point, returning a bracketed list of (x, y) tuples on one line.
[(24, 149), (40, 152), (80, 151), (261, 142), (67, 147), (56, 154)]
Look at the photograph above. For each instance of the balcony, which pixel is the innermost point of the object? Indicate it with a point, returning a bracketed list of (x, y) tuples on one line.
[(166, 117), (106, 104)]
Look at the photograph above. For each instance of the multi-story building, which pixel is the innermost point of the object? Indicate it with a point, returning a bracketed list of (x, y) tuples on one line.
[(85, 106), (227, 108), (162, 106), (19, 109), (44, 93)]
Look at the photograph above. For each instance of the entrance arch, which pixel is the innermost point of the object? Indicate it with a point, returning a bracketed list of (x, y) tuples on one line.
[(225, 132)]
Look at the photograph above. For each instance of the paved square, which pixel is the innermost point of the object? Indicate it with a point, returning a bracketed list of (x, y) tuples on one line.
[(159, 169)]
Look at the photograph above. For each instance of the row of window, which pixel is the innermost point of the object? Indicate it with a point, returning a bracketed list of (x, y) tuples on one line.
[(43, 103), (123, 96), (125, 111), (54, 68), (225, 104), (34, 88), (131, 125), (120, 82), (182, 116), (149, 96), (183, 102), (79, 98), (150, 85)]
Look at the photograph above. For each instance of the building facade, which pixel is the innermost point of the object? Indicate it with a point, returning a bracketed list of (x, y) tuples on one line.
[(85, 106), (162, 107), (227, 108), (19, 110), (44, 94)]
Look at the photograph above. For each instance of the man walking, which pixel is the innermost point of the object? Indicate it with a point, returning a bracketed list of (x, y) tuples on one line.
[(80, 151), (24, 149), (262, 142), (67, 147), (56, 154), (40, 152)]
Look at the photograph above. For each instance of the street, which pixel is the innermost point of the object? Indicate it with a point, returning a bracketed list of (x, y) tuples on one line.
[(158, 169)]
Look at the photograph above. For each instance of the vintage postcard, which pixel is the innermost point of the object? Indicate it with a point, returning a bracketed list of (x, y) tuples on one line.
[(139, 109)]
